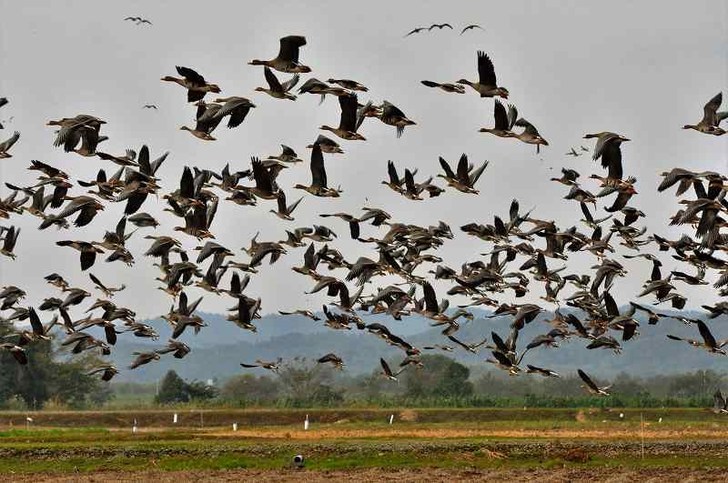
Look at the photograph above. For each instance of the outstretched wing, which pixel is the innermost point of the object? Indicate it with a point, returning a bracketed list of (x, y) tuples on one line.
[(191, 75), (486, 71)]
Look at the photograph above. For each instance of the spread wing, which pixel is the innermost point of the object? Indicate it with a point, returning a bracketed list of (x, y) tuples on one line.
[(486, 71), (500, 115), (290, 46), (711, 108), (348, 112), (191, 75), (446, 167), (587, 380), (318, 171), (272, 80)]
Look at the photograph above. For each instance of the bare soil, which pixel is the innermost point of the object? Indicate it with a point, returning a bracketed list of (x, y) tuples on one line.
[(430, 475)]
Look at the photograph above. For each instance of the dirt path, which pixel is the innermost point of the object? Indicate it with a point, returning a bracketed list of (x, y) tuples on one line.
[(610, 433), (429, 475)]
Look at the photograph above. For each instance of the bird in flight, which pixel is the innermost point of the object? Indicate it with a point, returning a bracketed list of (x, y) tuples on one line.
[(471, 27), (416, 31), (138, 20), (440, 26), (149, 106), (573, 152)]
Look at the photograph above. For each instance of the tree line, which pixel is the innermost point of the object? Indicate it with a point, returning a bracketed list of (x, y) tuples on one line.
[(49, 376), (444, 382)]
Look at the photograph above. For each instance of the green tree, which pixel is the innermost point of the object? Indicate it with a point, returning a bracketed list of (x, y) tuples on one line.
[(172, 389), (307, 383), (249, 388), (440, 377), (199, 391), (49, 374)]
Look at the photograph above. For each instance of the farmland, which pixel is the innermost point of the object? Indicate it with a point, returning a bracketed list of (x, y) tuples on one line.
[(361, 444)]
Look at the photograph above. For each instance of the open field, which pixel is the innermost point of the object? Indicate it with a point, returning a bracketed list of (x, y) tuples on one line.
[(435, 444)]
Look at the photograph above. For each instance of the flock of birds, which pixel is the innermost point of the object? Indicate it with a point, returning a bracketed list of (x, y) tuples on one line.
[(440, 26), (524, 250)]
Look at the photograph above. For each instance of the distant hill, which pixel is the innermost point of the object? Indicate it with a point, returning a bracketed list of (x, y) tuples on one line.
[(219, 348)]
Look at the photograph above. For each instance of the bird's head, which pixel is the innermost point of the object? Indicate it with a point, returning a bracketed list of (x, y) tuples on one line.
[(169, 78), (260, 89), (214, 88), (502, 92)]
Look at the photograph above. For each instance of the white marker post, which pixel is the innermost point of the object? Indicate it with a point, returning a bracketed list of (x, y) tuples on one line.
[(305, 424), (235, 426), (28, 420), (391, 418), (174, 418), (134, 427)]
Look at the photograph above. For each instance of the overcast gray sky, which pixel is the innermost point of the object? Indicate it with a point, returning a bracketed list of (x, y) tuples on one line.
[(642, 69)]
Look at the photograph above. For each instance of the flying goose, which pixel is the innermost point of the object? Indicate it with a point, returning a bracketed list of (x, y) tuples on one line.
[(710, 123), (7, 144), (235, 107), (349, 121), (269, 365), (108, 371), (447, 87), (143, 358), (387, 371), (470, 27), (275, 88), (206, 120), (415, 30), (393, 116), (107, 291), (487, 85), (287, 59), (327, 145), (332, 359), (503, 121), (709, 342), (319, 185), (195, 84), (304, 313), (466, 176), (288, 155), (285, 211), (591, 387), (720, 404), (530, 134), (349, 84), (88, 251), (82, 129), (17, 352), (10, 239), (540, 370), (608, 148)]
